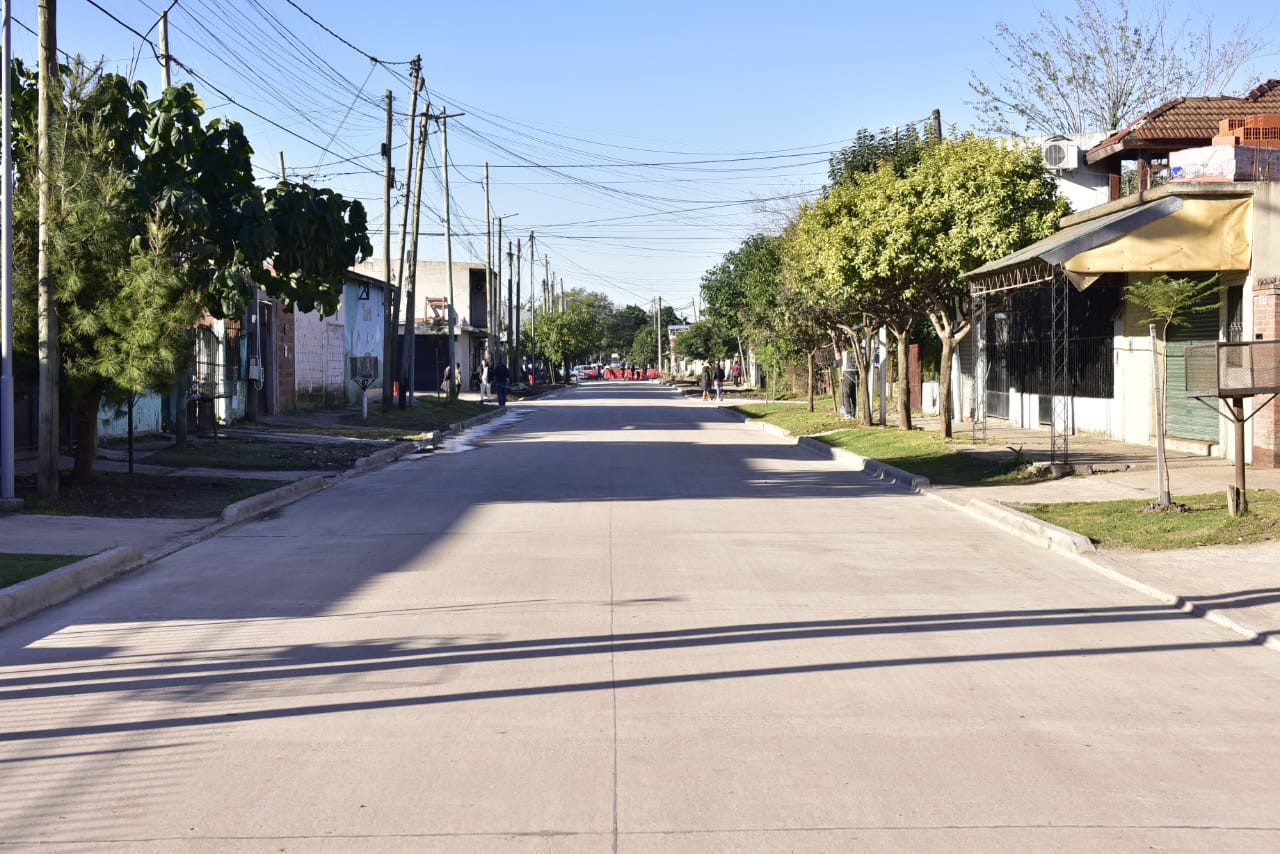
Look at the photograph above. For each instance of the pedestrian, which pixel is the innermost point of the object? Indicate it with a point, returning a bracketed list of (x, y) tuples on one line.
[(500, 374), (705, 381), (446, 380), (484, 381), (719, 379), (736, 371)]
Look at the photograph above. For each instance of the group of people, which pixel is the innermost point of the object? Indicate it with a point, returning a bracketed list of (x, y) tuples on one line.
[(713, 377), (492, 379)]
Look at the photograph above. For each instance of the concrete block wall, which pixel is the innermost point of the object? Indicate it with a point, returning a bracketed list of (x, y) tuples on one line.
[(320, 376)]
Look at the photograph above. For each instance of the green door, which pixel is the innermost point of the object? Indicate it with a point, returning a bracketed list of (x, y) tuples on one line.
[(1188, 418)]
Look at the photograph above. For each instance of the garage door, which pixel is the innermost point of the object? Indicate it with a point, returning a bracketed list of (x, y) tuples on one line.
[(1188, 418)]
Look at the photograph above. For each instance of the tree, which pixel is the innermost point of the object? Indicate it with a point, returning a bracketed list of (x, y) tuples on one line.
[(644, 347), (969, 201), (900, 148), (1104, 66), (156, 217), (620, 329), (569, 335), (738, 291), (706, 340), (1168, 300)]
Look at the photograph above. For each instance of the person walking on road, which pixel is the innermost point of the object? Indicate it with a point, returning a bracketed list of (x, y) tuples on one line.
[(736, 372), (719, 379), (500, 375), (705, 381)]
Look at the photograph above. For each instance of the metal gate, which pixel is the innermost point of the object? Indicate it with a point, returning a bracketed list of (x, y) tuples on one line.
[(1188, 418), (997, 366)]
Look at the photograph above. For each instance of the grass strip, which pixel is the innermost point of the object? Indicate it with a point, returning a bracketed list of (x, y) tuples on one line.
[(19, 567), (140, 496), (265, 455), (1127, 524)]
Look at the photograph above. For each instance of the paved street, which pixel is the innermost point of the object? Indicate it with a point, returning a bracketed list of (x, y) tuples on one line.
[(619, 620)]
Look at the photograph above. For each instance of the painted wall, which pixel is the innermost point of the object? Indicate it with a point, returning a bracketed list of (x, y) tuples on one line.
[(319, 373), (363, 332), (113, 423)]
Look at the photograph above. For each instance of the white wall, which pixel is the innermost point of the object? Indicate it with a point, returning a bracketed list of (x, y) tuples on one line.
[(146, 418), (319, 363)]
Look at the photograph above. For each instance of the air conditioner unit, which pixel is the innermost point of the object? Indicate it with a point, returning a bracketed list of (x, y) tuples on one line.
[(1060, 155)]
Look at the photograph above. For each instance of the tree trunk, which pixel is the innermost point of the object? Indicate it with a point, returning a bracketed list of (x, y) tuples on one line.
[(903, 390), (810, 360), (87, 447)]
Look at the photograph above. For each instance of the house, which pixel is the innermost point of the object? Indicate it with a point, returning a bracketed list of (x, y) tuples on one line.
[(1173, 126), (1057, 343), (471, 306), (324, 347)]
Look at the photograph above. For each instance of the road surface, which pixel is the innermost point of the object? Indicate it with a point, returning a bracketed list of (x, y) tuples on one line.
[(620, 621)]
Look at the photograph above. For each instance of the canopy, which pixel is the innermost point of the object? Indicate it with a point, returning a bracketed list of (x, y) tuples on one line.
[(1173, 234)]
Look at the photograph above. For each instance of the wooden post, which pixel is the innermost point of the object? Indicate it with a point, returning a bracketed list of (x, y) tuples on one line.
[(1237, 500)]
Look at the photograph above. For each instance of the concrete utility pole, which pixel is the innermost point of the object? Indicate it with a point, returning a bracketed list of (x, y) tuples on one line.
[(547, 281), (408, 366), (388, 319), (7, 437), (415, 86), (497, 288), (283, 177), (533, 314), (443, 118), (165, 61), (657, 322), (490, 290), (936, 118), (47, 338), (515, 357)]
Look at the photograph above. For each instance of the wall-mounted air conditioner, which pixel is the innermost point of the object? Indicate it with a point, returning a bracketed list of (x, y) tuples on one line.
[(1060, 154)]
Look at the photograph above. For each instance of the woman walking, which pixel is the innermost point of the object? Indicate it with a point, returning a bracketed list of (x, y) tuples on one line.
[(706, 382)]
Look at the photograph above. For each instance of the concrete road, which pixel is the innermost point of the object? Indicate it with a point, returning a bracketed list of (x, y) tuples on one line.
[(618, 621)]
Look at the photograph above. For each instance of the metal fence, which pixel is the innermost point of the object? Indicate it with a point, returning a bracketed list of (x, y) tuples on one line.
[(1232, 368)]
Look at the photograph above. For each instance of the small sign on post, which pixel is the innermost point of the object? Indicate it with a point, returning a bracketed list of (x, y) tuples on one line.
[(364, 371)]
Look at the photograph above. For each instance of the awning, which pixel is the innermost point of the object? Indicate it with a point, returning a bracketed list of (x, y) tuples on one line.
[(1173, 234)]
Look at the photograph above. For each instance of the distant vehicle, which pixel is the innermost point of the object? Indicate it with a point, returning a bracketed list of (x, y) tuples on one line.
[(585, 372)]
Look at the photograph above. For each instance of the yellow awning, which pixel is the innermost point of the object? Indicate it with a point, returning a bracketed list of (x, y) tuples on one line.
[(1203, 235)]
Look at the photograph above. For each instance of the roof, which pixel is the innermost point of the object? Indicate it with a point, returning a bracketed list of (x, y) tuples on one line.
[(1186, 122), (1067, 243)]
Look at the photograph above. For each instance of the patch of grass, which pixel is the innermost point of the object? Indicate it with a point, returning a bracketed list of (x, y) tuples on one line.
[(796, 418), (926, 454), (139, 496), (929, 455), (1123, 523), (20, 567), (264, 455), (415, 422)]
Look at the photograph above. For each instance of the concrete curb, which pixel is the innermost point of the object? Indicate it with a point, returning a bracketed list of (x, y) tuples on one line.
[(257, 505), (35, 594), (1021, 525)]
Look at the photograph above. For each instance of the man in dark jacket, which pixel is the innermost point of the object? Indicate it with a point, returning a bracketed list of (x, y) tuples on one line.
[(500, 375)]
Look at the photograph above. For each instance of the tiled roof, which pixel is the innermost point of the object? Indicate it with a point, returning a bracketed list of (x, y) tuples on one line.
[(1186, 122)]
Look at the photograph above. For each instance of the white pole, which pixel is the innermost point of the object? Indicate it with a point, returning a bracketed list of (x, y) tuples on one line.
[(1162, 481), (7, 439)]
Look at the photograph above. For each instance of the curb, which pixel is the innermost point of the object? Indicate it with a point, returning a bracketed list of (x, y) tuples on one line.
[(265, 502), (35, 594)]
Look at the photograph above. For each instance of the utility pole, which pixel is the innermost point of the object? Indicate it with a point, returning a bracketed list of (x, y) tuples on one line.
[(936, 118), (497, 289), (443, 118), (7, 437), (388, 319), (47, 339), (408, 366), (165, 61), (657, 319), (490, 289), (547, 280), (519, 308), (415, 86), (282, 175), (533, 315)]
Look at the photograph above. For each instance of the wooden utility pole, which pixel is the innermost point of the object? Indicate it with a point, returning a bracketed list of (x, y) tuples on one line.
[(936, 118), (388, 319), (497, 289), (547, 282), (47, 346), (415, 86), (165, 61), (408, 366)]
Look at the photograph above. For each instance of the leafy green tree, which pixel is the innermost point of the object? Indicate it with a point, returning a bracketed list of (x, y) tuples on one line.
[(900, 148), (568, 336), (706, 340), (621, 326), (644, 347), (737, 293)]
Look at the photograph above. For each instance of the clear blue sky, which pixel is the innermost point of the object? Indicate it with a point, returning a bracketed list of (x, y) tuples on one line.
[(761, 90)]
